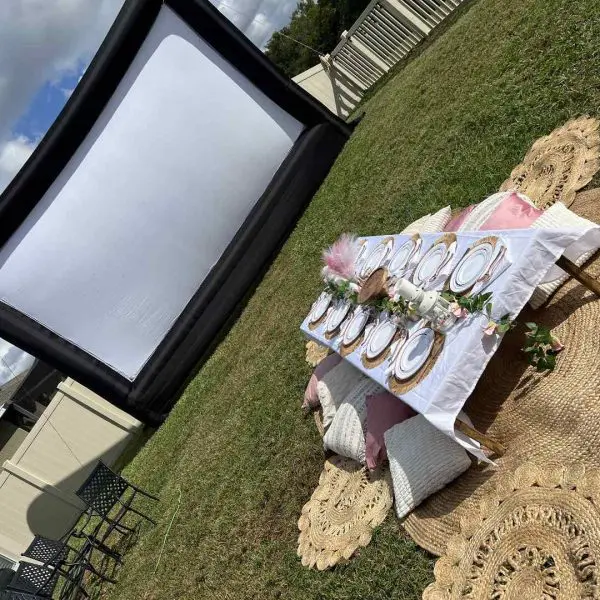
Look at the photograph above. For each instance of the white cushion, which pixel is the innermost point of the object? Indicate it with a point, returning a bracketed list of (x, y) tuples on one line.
[(422, 461), (481, 213), (334, 386), (346, 435), (417, 226), (438, 220), (558, 216)]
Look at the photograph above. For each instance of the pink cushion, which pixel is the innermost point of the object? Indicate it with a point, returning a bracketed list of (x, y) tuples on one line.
[(512, 213), (384, 410), (311, 396), (459, 219)]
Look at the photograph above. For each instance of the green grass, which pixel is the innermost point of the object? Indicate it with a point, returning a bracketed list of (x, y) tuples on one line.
[(447, 129)]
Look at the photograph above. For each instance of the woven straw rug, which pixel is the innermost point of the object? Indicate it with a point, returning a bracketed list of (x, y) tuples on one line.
[(542, 418), (346, 506), (559, 164), (537, 536)]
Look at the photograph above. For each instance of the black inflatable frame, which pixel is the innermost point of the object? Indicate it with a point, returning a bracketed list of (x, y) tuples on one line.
[(151, 395)]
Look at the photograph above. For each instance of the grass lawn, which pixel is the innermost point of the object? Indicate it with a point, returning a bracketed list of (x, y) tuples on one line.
[(447, 129)]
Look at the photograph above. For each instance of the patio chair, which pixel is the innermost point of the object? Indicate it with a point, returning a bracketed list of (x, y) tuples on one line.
[(104, 489), (15, 595), (38, 580), (59, 555), (81, 531)]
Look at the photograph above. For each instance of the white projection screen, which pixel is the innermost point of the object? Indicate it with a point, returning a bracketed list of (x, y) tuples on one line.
[(114, 286), (148, 203)]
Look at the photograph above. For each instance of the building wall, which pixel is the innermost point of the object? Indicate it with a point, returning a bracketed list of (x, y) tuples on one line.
[(37, 485), (318, 84)]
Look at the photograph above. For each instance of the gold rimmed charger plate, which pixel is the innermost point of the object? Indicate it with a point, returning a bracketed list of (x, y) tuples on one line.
[(384, 241), (331, 334), (447, 239), (402, 387), (489, 239), (371, 363), (413, 238), (347, 349), (312, 326)]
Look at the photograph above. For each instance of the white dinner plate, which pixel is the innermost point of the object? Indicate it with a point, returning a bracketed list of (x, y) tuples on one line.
[(471, 267), (377, 257), (360, 257), (337, 316), (380, 338), (355, 326), (429, 264), (401, 259), (414, 353), (320, 307)]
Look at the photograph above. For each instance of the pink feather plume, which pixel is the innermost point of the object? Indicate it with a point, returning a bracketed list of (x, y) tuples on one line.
[(340, 258)]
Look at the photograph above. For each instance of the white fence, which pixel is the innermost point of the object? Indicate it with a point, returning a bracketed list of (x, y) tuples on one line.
[(37, 485), (385, 33)]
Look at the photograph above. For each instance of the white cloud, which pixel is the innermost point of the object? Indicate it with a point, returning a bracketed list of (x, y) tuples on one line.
[(13, 154), (258, 19), (39, 41), (13, 361)]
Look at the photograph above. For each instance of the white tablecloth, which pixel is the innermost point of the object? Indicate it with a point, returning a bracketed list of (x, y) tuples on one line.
[(466, 352)]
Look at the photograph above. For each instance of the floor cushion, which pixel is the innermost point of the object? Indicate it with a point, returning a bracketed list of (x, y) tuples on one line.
[(346, 434), (422, 461), (311, 394), (558, 216), (512, 212), (335, 386)]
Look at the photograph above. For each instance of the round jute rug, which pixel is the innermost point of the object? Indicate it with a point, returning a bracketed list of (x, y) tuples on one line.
[(346, 506), (538, 417), (559, 164), (536, 537)]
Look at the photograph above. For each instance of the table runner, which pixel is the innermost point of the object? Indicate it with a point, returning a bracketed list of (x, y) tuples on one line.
[(441, 394)]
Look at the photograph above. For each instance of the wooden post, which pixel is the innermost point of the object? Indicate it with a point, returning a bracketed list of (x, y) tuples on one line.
[(578, 273), (497, 448)]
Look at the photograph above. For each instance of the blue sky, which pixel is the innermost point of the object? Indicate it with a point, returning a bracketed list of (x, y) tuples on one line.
[(46, 105), (45, 46)]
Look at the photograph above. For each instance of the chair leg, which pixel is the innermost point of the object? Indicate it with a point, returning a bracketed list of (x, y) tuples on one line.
[(122, 529), (140, 491), (99, 574), (137, 512), (107, 551), (76, 583)]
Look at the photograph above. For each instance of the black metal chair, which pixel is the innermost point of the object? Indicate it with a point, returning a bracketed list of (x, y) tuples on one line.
[(38, 580), (104, 489), (71, 562), (15, 595)]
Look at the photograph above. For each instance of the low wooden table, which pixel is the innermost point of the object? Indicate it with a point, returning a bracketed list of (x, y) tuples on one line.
[(463, 353)]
